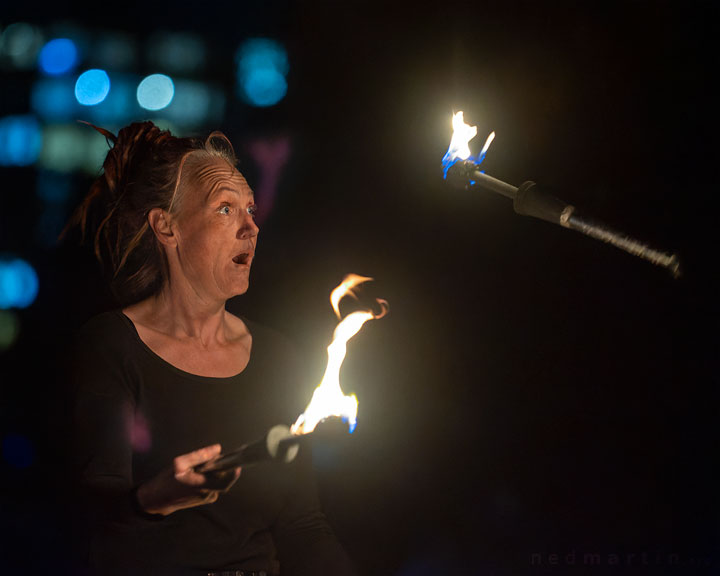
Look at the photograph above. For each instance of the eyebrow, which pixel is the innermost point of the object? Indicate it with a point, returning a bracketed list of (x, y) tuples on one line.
[(217, 190)]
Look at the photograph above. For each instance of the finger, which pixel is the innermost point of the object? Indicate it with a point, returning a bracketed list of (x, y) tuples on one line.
[(236, 475), (222, 480), (191, 459), (231, 479)]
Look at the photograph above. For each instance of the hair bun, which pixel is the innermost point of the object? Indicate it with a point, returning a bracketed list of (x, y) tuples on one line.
[(132, 147)]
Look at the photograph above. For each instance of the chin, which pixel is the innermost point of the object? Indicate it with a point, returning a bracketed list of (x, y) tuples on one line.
[(240, 288), (238, 282)]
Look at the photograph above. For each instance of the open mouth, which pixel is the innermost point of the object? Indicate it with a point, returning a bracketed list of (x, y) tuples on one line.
[(243, 259)]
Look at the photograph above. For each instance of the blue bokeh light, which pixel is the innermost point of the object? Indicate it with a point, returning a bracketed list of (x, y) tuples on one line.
[(92, 87), (120, 106), (262, 53), (262, 67), (155, 92), (53, 99), (264, 87), (18, 450), (58, 56), (20, 140), (18, 283)]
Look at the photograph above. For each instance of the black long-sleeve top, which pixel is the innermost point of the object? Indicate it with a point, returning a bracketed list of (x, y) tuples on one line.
[(135, 412)]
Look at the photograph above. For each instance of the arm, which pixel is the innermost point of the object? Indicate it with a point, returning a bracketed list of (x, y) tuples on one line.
[(105, 401), (104, 404)]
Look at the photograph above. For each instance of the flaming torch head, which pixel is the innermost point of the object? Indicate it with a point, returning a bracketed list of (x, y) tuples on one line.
[(328, 399), (459, 149)]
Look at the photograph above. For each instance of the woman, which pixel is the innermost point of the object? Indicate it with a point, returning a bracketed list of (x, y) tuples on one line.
[(170, 376)]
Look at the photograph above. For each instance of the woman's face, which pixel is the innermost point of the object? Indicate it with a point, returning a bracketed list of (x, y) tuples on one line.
[(216, 230)]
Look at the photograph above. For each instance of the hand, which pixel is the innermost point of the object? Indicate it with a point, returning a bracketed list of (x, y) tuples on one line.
[(181, 487)]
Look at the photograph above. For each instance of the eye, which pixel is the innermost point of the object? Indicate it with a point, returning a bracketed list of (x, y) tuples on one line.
[(252, 210), (225, 210)]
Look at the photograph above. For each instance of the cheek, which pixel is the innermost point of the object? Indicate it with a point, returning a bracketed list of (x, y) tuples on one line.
[(198, 242)]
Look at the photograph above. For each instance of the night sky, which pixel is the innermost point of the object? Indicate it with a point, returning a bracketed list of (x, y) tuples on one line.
[(534, 395)]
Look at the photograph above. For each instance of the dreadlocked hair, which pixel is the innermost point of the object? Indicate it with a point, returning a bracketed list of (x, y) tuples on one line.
[(142, 171)]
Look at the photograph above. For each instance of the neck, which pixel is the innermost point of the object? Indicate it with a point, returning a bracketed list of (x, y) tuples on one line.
[(186, 315)]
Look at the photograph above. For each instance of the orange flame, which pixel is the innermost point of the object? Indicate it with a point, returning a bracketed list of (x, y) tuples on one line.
[(345, 288), (328, 398)]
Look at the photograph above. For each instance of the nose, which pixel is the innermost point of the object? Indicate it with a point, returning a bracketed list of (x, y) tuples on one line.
[(248, 227)]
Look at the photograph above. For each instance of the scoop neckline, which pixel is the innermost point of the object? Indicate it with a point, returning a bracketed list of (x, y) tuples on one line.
[(179, 371)]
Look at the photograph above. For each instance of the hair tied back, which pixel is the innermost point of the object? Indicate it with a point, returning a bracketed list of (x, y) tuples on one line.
[(108, 135), (218, 144)]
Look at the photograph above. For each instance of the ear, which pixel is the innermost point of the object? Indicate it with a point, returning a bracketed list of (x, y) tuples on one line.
[(159, 221)]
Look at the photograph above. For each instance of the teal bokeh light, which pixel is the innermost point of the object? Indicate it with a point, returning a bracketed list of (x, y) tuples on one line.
[(18, 283), (262, 67), (264, 87), (155, 92), (92, 87)]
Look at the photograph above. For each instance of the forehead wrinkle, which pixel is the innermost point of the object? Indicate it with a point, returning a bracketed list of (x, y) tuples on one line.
[(217, 178)]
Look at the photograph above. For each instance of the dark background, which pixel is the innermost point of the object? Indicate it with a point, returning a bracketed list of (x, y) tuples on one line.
[(532, 391)]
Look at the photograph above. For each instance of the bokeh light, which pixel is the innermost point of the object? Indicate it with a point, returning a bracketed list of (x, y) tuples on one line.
[(192, 103), (155, 92), (262, 65), (21, 42), (120, 106), (53, 187), (63, 148), (92, 87), (9, 329), (96, 149), (59, 56), (18, 283), (53, 99), (18, 450), (264, 87), (20, 140), (72, 147), (55, 190), (114, 51), (180, 52)]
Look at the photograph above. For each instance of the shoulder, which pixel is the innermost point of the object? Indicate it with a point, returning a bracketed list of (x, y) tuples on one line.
[(266, 338), (104, 322), (106, 332), (104, 357)]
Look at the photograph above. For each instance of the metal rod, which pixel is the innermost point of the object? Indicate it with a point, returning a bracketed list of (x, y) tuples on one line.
[(278, 445), (493, 184), (466, 173), (624, 242), (530, 200)]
